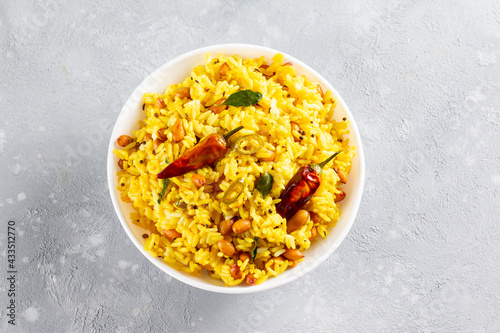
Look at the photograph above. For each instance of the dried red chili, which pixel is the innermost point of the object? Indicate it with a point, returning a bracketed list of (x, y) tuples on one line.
[(301, 188), (205, 152)]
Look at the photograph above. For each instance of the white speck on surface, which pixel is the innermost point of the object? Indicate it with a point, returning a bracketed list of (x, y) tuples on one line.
[(84, 213), (52, 195), (1, 204), (135, 312), (96, 239), (62, 260), (388, 279), (193, 324), (414, 298), (476, 95), (380, 267), (31, 314), (469, 160), (41, 128), (25, 260), (486, 58), (134, 268), (200, 318), (10, 201), (100, 252), (233, 29), (495, 179), (262, 18), (15, 168), (2, 139), (21, 196), (123, 264)]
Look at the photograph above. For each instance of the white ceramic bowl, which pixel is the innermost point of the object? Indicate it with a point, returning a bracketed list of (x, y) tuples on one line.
[(176, 71)]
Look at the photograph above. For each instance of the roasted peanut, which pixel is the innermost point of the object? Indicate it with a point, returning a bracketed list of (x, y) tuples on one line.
[(124, 140), (342, 176), (315, 218), (259, 264), (295, 127), (293, 254), (217, 107), (241, 226), (160, 103), (235, 271), (120, 163), (216, 185), (161, 134), (265, 67), (297, 221), (250, 280), (156, 144), (244, 256), (207, 267), (276, 261), (178, 131), (320, 90), (198, 180), (226, 247), (171, 234), (339, 196), (224, 68), (266, 155), (182, 93), (236, 254), (314, 233), (226, 226)]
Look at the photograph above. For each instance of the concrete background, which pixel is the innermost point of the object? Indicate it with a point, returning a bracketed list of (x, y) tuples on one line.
[(422, 80)]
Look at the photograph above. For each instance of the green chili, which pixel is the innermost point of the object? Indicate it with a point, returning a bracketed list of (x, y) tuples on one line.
[(234, 191), (249, 144)]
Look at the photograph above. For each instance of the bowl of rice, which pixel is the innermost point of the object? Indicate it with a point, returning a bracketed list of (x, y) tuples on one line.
[(235, 168)]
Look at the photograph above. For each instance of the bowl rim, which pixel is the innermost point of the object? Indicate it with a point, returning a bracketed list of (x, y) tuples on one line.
[(268, 284)]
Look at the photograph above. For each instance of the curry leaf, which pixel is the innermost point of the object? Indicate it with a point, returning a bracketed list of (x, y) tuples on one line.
[(254, 250), (265, 184), (243, 98), (166, 181)]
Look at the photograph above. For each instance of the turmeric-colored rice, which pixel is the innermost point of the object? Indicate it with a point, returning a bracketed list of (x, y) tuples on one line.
[(286, 98)]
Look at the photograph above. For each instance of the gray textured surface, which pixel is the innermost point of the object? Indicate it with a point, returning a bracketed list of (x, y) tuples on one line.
[(422, 80)]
